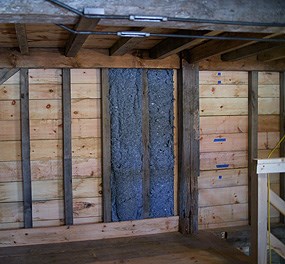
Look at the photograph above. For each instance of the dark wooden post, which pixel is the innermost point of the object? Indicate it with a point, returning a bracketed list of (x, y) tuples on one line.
[(106, 147), (282, 132), (67, 149), (188, 146), (25, 146), (252, 134)]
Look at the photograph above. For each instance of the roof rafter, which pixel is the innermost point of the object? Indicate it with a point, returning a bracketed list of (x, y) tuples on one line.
[(272, 55), (22, 38)]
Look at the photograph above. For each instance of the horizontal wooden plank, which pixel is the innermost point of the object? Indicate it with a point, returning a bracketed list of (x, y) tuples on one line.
[(52, 129), (50, 190), (10, 150), (236, 141), (222, 160), (45, 109), (263, 154), (85, 108), (52, 149), (222, 178), (10, 130), (224, 225), (86, 90), (88, 232), (85, 76), (268, 78), (44, 76), (236, 124), (221, 106), (10, 91), (10, 110), (10, 171), (45, 91), (223, 196), (223, 77), (223, 213), (238, 91), (87, 58), (268, 106)]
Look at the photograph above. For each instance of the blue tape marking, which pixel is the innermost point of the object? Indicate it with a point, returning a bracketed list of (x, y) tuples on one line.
[(219, 74), (220, 139), (219, 82), (220, 166), (220, 177)]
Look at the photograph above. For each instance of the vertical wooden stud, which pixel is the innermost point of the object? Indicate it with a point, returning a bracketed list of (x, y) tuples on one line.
[(188, 146), (282, 132), (25, 148), (106, 147), (252, 133), (67, 150), (145, 138)]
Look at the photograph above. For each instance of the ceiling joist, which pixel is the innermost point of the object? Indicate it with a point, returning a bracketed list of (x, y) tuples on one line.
[(76, 41), (272, 55), (217, 47), (172, 46), (22, 38)]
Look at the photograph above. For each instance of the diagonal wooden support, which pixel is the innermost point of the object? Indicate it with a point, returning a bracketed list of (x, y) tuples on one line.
[(22, 38), (277, 246), (277, 53), (76, 41), (5, 74)]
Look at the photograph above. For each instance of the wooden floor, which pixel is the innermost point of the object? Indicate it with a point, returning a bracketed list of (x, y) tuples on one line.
[(162, 248)]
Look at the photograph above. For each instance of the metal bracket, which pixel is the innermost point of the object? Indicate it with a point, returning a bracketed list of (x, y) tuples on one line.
[(147, 18), (133, 34)]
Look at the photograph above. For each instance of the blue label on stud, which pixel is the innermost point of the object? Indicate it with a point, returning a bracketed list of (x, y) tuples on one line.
[(220, 139), (219, 166)]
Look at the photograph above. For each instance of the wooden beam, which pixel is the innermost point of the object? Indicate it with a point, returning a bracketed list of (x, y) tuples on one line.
[(124, 45), (252, 134), (67, 151), (44, 12), (106, 147), (172, 46), (22, 38), (62, 234), (87, 58), (188, 146), (25, 147), (259, 219), (273, 54), (5, 74), (277, 202), (217, 47), (248, 51), (145, 140), (76, 41), (282, 132), (278, 246), (248, 64)]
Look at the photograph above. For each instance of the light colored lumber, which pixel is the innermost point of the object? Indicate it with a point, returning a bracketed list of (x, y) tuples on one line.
[(235, 159), (276, 165), (85, 108), (44, 76), (10, 110), (10, 150), (222, 214), (45, 91), (277, 202), (268, 77), (9, 91), (277, 245), (85, 76), (85, 128), (223, 77), (223, 225), (10, 171), (10, 130), (222, 106), (88, 232), (268, 106), (86, 90), (45, 109), (222, 178), (222, 196)]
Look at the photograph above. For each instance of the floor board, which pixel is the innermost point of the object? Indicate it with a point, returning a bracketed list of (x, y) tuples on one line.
[(162, 248)]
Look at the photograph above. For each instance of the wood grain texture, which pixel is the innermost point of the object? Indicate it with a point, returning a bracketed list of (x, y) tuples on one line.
[(22, 38)]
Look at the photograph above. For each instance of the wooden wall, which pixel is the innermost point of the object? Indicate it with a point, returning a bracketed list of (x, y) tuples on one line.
[(223, 190), (46, 148)]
